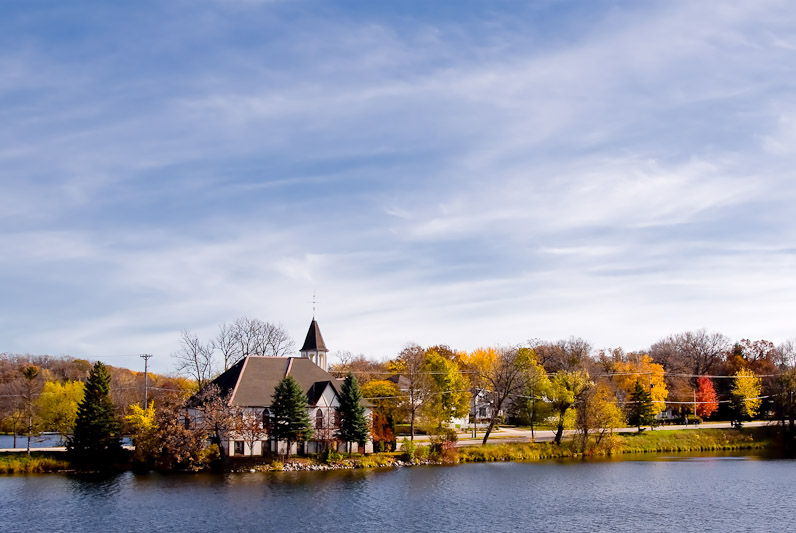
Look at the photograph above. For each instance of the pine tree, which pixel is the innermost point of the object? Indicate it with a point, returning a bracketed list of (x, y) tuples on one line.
[(641, 413), (96, 438), (291, 421), (353, 423)]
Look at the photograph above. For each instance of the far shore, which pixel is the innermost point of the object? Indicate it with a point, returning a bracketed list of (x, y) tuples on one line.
[(505, 434)]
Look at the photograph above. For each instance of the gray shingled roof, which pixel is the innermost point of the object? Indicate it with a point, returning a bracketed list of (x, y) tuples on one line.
[(253, 380), (314, 341)]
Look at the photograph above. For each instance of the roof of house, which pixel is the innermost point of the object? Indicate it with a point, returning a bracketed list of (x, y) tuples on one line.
[(314, 341), (253, 379), (402, 381)]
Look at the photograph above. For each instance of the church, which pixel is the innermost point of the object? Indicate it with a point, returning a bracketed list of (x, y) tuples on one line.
[(250, 385)]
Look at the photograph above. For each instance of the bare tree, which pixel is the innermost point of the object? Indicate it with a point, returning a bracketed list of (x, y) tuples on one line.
[(248, 425), (693, 352), (251, 336), (363, 368), (567, 354), (226, 342), (30, 392), (276, 340), (195, 359)]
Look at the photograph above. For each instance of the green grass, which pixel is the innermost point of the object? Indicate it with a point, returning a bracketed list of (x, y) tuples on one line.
[(698, 440), (36, 462), (688, 440)]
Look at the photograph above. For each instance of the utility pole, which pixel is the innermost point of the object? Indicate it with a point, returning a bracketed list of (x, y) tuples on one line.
[(475, 414), (146, 357)]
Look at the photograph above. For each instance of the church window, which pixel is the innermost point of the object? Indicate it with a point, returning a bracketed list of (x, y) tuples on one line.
[(238, 447), (319, 419)]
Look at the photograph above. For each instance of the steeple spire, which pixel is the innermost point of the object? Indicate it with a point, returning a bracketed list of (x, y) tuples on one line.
[(314, 348)]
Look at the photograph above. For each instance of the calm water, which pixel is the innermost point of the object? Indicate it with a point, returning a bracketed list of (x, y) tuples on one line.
[(40, 441), (694, 494)]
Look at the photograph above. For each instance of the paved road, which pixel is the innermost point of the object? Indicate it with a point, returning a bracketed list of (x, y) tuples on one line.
[(510, 434)]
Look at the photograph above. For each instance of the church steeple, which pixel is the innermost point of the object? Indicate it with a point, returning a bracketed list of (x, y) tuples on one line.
[(314, 348)]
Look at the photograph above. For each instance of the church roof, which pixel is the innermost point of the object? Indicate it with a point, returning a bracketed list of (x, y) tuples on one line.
[(314, 341), (252, 380)]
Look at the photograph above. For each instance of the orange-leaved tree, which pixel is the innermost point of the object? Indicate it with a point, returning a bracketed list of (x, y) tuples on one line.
[(644, 371), (707, 403)]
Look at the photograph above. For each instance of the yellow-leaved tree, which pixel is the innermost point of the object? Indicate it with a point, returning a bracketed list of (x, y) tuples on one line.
[(644, 371), (746, 395), (57, 405), (449, 392), (143, 426)]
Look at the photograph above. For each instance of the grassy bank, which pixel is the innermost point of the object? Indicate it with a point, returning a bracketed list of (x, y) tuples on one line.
[(688, 440), (36, 462)]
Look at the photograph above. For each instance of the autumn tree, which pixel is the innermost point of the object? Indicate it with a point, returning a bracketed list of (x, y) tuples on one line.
[(530, 407), (449, 396), (166, 440), (57, 405), (640, 407), (353, 422), (216, 415), (388, 409), (143, 430), (597, 414), (502, 371), (745, 395), (640, 368), (409, 365), (565, 391), (96, 437), (707, 402), (290, 421)]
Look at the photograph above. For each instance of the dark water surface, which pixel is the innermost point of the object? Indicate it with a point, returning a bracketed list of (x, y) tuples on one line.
[(665, 494)]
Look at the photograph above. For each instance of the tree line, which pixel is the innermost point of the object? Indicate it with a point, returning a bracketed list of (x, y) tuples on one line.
[(568, 384), (562, 384)]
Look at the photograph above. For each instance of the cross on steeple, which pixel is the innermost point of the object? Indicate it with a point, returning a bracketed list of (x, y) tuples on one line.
[(314, 301)]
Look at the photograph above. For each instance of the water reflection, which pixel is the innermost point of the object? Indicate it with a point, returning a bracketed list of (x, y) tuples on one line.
[(672, 493)]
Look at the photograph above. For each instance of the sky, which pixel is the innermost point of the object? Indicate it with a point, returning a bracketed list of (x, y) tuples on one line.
[(453, 172)]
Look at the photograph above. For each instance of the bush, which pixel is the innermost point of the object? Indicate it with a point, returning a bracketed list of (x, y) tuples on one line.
[(330, 456), (408, 448), (443, 446)]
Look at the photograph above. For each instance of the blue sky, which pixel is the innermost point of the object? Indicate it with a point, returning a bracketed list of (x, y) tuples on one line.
[(440, 172)]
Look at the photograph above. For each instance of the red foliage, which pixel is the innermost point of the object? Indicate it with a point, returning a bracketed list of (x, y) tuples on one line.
[(706, 398)]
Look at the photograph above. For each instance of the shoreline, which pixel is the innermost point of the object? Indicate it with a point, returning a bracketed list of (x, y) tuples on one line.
[(624, 446)]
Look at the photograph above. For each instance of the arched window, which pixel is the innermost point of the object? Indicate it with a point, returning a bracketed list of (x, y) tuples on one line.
[(319, 419)]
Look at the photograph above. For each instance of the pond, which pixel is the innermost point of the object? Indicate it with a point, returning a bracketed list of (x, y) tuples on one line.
[(659, 494)]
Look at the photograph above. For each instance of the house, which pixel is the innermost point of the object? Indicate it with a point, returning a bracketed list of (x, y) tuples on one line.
[(250, 385)]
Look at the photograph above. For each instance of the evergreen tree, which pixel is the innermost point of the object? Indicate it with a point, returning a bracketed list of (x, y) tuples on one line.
[(96, 438), (353, 423), (641, 412), (291, 421)]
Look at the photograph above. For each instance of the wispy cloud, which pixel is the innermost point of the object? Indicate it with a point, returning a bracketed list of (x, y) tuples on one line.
[(484, 177)]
